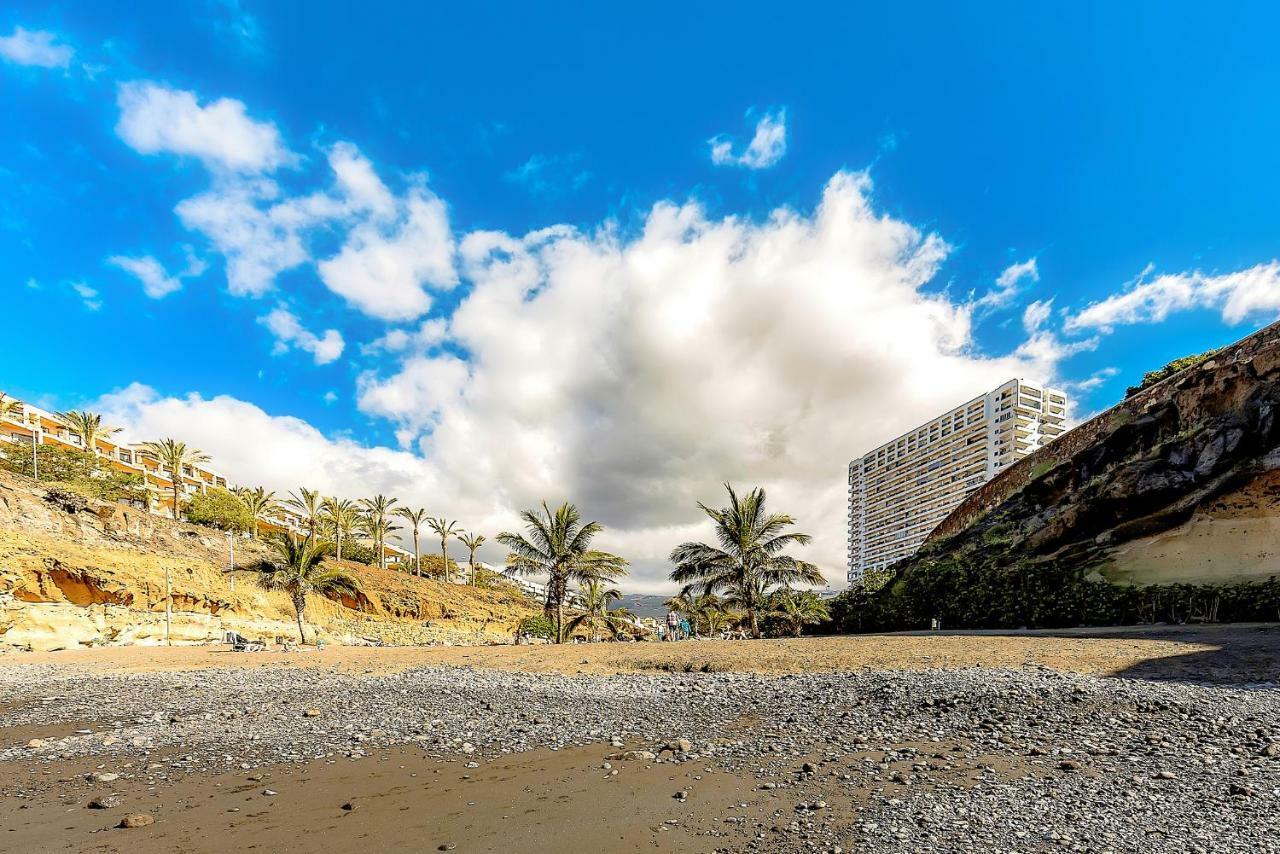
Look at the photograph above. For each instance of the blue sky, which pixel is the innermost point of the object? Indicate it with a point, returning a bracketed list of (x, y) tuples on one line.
[(1128, 152)]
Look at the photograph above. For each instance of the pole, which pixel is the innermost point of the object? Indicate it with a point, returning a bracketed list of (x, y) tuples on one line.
[(35, 458), (231, 560), (168, 604)]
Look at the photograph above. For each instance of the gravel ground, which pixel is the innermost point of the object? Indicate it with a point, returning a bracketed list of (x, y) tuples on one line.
[(969, 759)]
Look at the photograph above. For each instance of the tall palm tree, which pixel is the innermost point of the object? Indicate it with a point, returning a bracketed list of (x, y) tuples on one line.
[(749, 560), (298, 569), (558, 546), (415, 518), (260, 503), (471, 542), (595, 610), (308, 503), (376, 510), (89, 426), (341, 516), (444, 530), (795, 610), (177, 456)]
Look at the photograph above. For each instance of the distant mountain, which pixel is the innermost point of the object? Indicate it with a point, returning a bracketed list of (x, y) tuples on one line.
[(643, 605)]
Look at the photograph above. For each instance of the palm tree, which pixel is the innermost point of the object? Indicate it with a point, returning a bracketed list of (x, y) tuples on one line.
[(472, 542), (595, 604), (308, 503), (749, 560), (721, 619), (298, 570), (177, 456), (415, 518), (260, 503), (796, 610), (444, 529), (341, 515), (697, 608), (559, 546), (89, 426), (377, 525), (9, 407)]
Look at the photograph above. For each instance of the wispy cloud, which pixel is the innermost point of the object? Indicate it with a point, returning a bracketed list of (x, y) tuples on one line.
[(1008, 286), (766, 148), (1237, 295), (549, 175), (232, 21), (155, 279), (39, 48), (290, 332), (88, 295)]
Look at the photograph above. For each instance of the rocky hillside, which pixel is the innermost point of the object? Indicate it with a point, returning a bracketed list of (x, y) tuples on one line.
[(1166, 506), (97, 576)]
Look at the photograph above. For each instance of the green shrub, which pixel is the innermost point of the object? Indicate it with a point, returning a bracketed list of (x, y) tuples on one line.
[(358, 552), (72, 469), (65, 465), (1150, 378), (538, 626), (218, 508)]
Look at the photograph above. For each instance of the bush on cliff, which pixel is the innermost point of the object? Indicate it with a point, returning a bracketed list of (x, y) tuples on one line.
[(219, 509), (74, 471)]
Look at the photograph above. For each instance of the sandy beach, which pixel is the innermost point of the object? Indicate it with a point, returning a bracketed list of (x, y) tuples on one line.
[(942, 743)]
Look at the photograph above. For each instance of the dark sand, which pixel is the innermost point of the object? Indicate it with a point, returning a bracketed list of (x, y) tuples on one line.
[(406, 800)]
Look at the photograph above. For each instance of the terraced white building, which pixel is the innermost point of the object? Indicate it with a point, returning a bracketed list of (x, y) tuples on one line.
[(901, 490)]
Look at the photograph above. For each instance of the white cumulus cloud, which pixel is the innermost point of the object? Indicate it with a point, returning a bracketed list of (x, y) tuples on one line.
[(289, 332), (766, 148), (158, 119), (385, 267), (35, 47), (1237, 296), (634, 375)]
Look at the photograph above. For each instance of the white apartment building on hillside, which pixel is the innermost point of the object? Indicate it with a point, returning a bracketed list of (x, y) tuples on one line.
[(900, 491)]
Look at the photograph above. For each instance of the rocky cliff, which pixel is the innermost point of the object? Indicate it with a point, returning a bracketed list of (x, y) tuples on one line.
[(1177, 485), (97, 576)]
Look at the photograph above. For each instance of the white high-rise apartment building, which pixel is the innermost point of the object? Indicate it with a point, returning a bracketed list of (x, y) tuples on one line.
[(899, 492)]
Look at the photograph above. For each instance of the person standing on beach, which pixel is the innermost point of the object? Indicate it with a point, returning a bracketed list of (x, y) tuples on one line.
[(673, 624)]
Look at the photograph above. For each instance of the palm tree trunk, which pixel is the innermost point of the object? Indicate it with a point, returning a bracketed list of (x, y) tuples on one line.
[(560, 592), (337, 543), (417, 556), (755, 625), (175, 495), (444, 555), (299, 606)]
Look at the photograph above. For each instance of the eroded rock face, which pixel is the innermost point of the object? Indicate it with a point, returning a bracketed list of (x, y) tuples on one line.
[(98, 576), (1179, 484)]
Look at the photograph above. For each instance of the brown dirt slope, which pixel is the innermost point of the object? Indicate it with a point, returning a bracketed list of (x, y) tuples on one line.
[(98, 577)]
